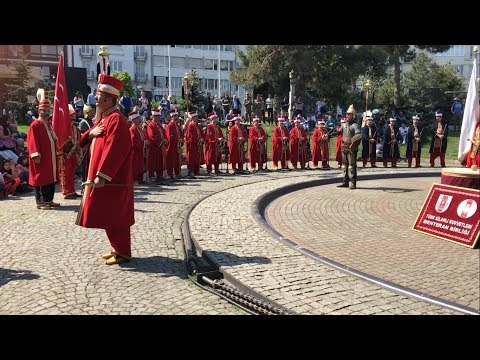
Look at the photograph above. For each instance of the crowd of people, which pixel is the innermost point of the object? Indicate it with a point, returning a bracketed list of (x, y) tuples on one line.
[(117, 150)]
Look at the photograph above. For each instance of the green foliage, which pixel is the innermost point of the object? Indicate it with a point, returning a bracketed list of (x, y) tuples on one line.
[(18, 90), (154, 104), (418, 85), (127, 80), (196, 97), (327, 71)]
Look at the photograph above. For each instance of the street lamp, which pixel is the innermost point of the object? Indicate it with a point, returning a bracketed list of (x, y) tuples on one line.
[(186, 78), (291, 76)]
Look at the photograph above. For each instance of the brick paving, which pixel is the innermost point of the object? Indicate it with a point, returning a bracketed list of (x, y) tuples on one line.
[(249, 253), (48, 265), (382, 242)]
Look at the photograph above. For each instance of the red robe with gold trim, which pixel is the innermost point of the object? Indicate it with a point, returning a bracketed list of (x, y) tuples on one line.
[(298, 153), (320, 146), (41, 140), (67, 163), (137, 137), (476, 159), (213, 155), (111, 157), (193, 148), (278, 152), (256, 134)]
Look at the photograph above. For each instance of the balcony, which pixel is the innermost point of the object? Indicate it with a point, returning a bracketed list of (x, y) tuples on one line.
[(141, 78), (86, 53), (140, 56), (90, 75)]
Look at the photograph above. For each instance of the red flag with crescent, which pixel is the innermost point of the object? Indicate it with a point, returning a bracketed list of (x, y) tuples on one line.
[(61, 118)]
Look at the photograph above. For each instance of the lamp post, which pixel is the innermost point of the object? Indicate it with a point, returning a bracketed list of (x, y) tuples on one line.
[(367, 88), (291, 76), (186, 78)]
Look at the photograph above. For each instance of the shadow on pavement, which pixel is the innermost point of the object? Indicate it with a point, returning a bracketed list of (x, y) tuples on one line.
[(68, 207), (161, 265), (222, 258), (388, 189), (7, 275)]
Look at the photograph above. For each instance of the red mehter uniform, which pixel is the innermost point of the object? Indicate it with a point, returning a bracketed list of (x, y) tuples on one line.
[(174, 151), (236, 155), (213, 146), (193, 136), (68, 163), (138, 139), (41, 141), (320, 145), (157, 154), (110, 207), (475, 160), (338, 144), (298, 151), (257, 139), (280, 149)]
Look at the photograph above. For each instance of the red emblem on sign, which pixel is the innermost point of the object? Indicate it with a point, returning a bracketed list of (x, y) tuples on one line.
[(443, 203)]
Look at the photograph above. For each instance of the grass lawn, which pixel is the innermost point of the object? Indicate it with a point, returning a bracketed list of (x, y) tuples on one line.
[(452, 147)]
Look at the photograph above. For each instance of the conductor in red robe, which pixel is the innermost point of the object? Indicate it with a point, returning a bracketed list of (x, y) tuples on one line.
[(41, 142), (298, 139), (107, 201), (257, 137)]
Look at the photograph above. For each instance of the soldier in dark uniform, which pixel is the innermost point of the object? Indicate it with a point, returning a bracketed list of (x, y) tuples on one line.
[(438, 145), (369, 142), (391, 151), (414, 142), (351, 137)]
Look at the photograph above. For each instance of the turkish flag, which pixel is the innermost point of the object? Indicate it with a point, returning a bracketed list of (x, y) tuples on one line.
[(61, 118)]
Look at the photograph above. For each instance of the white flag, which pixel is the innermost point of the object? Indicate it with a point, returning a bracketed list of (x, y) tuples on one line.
[(469, 116)]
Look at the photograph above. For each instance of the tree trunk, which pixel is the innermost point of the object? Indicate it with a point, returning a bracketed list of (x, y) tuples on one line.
[(396, 78)]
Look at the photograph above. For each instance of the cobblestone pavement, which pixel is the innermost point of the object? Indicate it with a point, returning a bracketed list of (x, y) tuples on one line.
[(48, 265), (382, 243), (248, 252)]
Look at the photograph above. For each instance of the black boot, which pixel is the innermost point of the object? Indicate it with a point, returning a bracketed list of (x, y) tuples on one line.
[(343, 184), (353, 185)]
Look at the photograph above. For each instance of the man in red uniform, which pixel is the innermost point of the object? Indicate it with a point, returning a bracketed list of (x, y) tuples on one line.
[(194, 141), (174, 147), (139, 145), (236, 144), (107, 202), (68, 160), (298, 139), (41, 142), (320, 146), (213, 144), (280, 140), (157, 155), (473, 155), (257, 139)]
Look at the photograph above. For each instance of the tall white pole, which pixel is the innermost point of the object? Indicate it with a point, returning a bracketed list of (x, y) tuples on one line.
[(219, 77), (169, 73)]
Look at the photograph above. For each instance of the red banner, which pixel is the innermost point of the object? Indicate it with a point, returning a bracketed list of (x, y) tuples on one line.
[(451, 213), (61, 123)]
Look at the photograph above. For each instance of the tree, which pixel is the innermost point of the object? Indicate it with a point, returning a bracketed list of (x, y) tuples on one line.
[(396, 53), (196, 97), (423, 86), (18, 90), (327, 71), (127, 80)]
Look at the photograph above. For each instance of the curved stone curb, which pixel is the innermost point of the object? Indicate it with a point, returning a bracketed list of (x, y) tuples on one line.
[(247, 252), (258, 212)]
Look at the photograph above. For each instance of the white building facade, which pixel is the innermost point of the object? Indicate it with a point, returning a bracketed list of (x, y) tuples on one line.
[(160, 69)]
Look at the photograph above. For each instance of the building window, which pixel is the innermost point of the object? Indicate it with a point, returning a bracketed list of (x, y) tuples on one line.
[(212, 47), (199, 47), (224, 64), (228, 47), (456, 50), (139, 69), (460, 69), (196, 64), (208, 64), (160, 81), (176, 82), (116, 66), (177, 62), (225, 85)]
